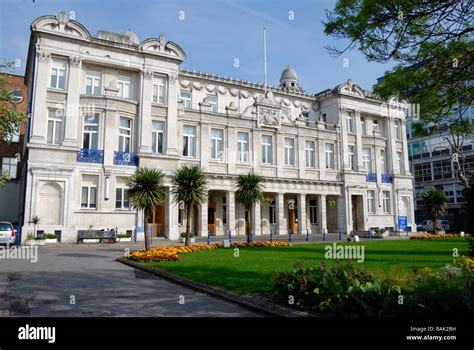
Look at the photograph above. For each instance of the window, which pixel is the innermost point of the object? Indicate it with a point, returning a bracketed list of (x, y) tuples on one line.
[(55, 126), (124, 83), (242, 146), (159, 91), (58, 74), (313, 211), (442, 169), (310, 154), (422, 172), (367, 159), (267, 149), (382, 161), (189, 141), (375, 126), (371, 201), (89, 197), (125, 135), (212, 99), (272, 212), (399, 162), (329, 152), (350, 121), (289, 151), (350, 156), (386, 202), (185, 96), (121, 198), (397, 128), (305, 117), (9, 166), (362, 124), (90, 138), (217, 144), (157, 133), (93, 78)]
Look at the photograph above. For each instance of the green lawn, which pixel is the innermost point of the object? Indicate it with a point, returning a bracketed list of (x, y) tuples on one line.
[(251, 271)]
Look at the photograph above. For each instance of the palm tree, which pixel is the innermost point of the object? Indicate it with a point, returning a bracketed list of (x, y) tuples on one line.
[(434, 204), (146, 192), (189, 186), (35, 221), (248, 192)]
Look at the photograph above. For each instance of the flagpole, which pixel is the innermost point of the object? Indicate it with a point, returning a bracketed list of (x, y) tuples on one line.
[(265, 55)]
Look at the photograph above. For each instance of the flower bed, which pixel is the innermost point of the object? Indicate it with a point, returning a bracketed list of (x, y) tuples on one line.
[(260, 244), (439, 236), (170, 253)]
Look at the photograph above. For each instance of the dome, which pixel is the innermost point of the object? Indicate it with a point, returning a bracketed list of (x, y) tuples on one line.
[(133, 37), (288, 74)]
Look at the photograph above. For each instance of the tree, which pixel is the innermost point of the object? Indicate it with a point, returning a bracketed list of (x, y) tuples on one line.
[(189, 187), (248, 192), (145, 193), (10, 116), (434, 202), (431, 43), (3, 178), (35, 220)]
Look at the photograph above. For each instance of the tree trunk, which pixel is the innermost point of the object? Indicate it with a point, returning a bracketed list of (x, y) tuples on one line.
[(188, 222), (145, 227), (249, 207)]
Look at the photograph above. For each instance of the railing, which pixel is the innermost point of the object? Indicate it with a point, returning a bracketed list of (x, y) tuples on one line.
[(371, 177), (124, 158), (387, 178), (89, 155)]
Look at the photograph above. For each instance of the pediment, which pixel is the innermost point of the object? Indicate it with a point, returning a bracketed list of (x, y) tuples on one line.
[(60, 25)]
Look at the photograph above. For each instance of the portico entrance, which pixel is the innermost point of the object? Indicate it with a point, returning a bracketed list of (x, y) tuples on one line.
[(156, 220)]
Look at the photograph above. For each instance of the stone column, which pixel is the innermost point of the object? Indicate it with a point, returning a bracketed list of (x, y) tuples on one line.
[(322, 219), (279, 142), (257, 219), (203, 220), (71, 120), (302, 224), (231, 213), (231, 150), (280, 217), (321, 159), (110, 134), (404, 160), (256, 150), (39, 112), (172, 218), (144, 116), (358, 156), (172, 117), (300, 153), (204, 145)]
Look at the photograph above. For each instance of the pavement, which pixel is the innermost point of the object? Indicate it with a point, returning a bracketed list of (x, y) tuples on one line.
[(78, 281)]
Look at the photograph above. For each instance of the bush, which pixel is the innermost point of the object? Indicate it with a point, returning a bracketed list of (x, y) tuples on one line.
[(50, 236), (470, 242), (191, 234), (124, 235), (339, 290)]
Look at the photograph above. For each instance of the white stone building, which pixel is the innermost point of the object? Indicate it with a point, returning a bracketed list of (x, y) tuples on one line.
[(101, 105)]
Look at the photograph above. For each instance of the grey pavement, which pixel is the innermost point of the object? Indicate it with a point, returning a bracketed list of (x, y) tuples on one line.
[(87, 281)]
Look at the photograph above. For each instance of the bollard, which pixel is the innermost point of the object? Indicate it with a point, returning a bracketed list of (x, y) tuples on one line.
[(289, 235), (271, 236), (369, 234), (208, 237), (325, 234), (230, 236), (250, 234), (340, 235), (307, 235)]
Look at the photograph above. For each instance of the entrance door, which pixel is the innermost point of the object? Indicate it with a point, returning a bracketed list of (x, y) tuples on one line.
[(211, 218), (157, 220), (357, 215), (293, 220)]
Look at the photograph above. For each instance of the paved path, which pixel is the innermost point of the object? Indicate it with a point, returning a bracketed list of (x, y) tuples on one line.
[(100, 287)]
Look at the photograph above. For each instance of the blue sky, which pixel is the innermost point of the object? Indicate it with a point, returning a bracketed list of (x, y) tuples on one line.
[(213, 34)]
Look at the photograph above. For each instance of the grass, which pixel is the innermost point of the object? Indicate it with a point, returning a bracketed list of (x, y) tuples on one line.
[(251, 272)]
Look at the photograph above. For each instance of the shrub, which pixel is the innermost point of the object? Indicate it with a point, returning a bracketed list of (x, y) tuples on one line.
[(124, 235), (470, 242), (50, 236), (191, 234), (168, 253), (339, 290)]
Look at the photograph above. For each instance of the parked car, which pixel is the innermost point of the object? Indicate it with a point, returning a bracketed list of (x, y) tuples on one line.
[(7, 233), (427, 225)]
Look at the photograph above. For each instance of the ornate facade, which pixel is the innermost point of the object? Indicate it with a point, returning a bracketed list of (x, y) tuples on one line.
[(102, 105)]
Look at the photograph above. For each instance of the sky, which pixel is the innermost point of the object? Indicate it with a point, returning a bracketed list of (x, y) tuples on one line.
[(213, 33)]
